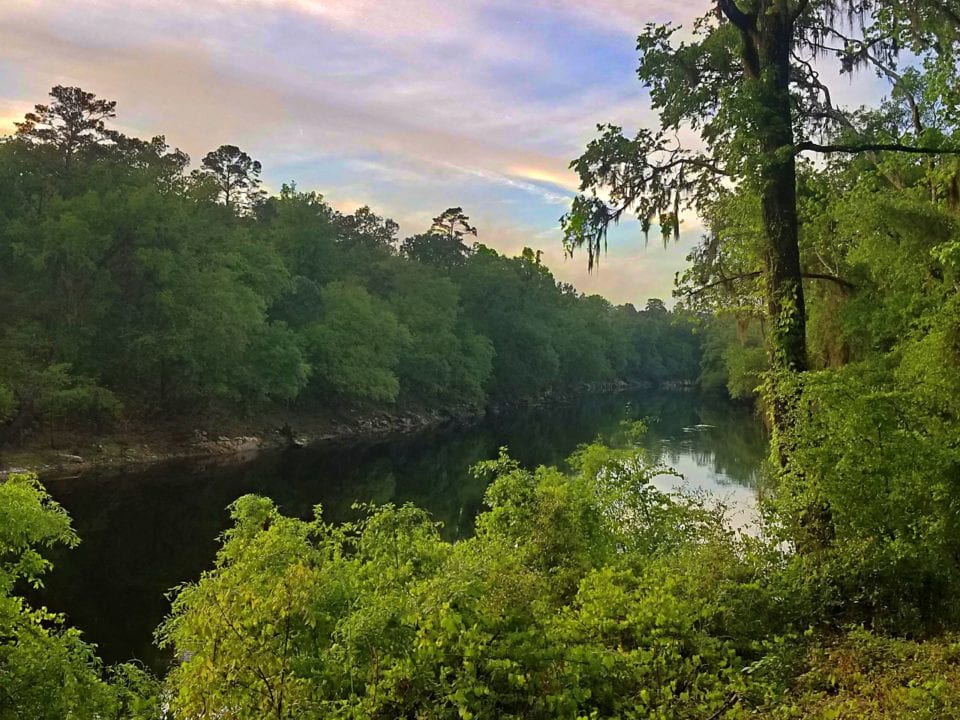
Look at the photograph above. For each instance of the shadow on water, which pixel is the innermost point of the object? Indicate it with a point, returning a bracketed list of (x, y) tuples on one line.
[(145, 530)]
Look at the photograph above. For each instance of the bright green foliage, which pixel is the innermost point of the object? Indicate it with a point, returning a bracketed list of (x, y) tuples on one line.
[(47, 671), (869, 495), (560, 606), (132, 285), (867, 443), (878, 458), (865, 500), (747, 78)]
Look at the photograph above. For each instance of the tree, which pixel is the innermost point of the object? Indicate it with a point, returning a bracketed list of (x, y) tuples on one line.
[(153, 159), (357, 343), (442, 246), (365, 227), (655, 306), (749, 85), (236, 176), (453, 223), (445, 360), (131, 288), (73, 121), (511, 302)]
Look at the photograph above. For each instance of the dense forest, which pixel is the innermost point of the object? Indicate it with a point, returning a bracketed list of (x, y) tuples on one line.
[(136, 287), (825, 288)]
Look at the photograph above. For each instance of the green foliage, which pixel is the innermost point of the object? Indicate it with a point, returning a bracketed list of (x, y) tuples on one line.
[(8, 403), (868, 496), (861, 269), (864, 494), (445, 360), (745, 365), (357, 344), (47, 671), (560, 606), (132, 285), (872, 454), (442, 247)]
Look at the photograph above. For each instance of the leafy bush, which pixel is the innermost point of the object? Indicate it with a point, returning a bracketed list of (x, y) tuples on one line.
[(47, 671), (560, 606), (879, 465)]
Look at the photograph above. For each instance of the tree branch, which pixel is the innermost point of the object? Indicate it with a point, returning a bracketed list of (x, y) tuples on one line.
[(864, 53), (743, 21), (874, 147), (845, 284), (724, 281), (700, 162)]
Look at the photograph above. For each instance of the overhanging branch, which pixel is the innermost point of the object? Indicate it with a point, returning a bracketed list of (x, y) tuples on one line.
[(845, 284), (874, 147)]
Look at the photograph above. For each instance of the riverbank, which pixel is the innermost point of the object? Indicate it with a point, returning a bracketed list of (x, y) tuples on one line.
[(229, 438)]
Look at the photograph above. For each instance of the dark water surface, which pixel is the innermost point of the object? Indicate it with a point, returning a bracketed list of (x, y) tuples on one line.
[(145, 530)]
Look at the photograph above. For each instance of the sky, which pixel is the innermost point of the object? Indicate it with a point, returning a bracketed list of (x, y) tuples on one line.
[(408, 106)]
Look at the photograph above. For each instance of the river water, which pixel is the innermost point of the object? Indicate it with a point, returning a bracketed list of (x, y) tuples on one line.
[(145, 530)]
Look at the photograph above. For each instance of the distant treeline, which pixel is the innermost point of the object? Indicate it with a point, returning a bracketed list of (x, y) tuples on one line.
[(131, 284)]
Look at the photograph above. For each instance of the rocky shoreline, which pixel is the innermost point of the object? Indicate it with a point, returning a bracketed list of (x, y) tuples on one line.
[(240, 441)]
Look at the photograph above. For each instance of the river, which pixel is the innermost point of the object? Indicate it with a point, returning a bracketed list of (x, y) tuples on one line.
[(146, 529)]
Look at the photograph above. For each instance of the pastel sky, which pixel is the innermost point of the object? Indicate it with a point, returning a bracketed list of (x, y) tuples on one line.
[(409, 106)]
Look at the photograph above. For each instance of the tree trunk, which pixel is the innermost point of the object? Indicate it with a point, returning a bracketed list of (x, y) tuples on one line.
[(778, 197), (767, 39)]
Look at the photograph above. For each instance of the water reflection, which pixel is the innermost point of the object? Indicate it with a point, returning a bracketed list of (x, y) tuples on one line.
[(145, 531)]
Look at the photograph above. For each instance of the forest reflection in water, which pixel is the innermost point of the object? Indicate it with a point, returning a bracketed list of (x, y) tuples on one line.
[(145, 530)]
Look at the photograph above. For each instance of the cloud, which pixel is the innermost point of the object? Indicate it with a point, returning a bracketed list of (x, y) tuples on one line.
[(546, 194), (628, 17), (566, 179)]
